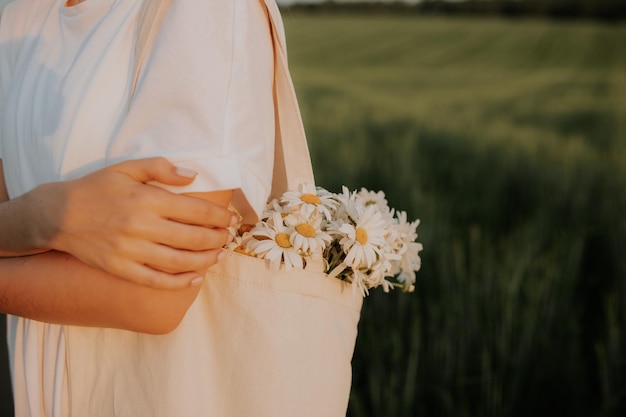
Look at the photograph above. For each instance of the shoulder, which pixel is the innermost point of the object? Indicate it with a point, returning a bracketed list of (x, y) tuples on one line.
[(23, 18), (20, 23), (19, 16)]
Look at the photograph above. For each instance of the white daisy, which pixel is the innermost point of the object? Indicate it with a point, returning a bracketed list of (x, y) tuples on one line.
[(358, 279), (272, 207), (387, 261), (405, 244), (404, 230), (411, 261), (374, 276), (371, 198), (272, 242), (307, 235), (310, 200), (364, 241), (348, 207), (404, 269), (239, 243)]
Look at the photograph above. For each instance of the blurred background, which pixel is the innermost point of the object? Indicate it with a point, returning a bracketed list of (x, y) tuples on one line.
[(501, 124)]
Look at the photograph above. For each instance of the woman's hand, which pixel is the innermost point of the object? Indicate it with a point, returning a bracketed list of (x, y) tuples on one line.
[(113, 220)]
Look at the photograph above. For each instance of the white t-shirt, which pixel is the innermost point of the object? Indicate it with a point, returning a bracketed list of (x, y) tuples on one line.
[(204, 101)]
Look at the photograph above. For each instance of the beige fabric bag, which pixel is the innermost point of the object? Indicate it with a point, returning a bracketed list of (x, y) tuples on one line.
[(256, 343)]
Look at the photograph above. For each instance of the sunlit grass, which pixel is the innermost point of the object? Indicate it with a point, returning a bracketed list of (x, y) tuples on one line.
[(508, 140)]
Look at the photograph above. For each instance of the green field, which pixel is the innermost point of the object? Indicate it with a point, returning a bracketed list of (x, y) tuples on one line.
[(508, 139)]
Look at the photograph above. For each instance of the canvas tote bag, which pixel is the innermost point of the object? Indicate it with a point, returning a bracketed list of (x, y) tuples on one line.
[(255, 343)]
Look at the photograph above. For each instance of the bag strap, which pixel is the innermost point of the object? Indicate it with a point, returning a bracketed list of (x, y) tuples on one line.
[(292, 161)]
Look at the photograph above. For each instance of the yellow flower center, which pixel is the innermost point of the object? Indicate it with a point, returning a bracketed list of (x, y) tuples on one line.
[(311, 199), (361, 236), (241, 249), (283, 240), (306, 230)]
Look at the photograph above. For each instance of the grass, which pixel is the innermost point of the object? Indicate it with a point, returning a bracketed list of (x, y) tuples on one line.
[(508, 139)]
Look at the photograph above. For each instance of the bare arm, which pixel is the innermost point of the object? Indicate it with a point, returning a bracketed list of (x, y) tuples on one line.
[(113, 220), (54, 287)]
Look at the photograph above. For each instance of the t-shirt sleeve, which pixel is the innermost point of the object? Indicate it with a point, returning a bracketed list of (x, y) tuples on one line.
[(205, 100)]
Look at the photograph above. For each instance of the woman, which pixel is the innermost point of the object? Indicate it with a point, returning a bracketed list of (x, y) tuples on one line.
[(204, 101)]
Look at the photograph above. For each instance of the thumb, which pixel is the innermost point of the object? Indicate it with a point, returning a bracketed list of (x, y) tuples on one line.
[(156, 169)]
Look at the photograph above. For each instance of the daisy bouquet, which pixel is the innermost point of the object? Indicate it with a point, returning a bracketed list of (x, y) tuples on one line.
[(353, 236)]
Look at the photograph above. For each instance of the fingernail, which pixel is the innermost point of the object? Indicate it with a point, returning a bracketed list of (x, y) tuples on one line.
[(197, 281), (186, 172), (230, 238), (234, 220), (221, 256)]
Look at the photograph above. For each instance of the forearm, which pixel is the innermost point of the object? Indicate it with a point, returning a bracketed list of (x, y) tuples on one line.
[(18, 236), (56, 288)]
